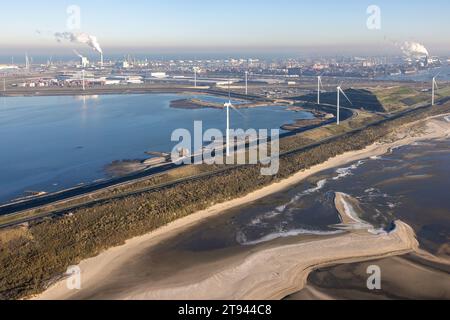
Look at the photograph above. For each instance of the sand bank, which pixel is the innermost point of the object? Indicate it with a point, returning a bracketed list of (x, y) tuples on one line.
[(401, 278), (268, 274), (277, 272)]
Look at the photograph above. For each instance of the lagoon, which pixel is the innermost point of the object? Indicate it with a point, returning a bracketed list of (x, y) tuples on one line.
[(54, 143)]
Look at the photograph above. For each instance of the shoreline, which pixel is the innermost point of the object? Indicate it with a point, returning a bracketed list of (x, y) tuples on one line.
[(94, 268), (187, 90), (198, 104)]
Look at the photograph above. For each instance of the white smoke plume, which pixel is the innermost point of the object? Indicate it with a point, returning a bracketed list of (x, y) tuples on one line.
[(78, 54), (79, 38), (414, 49)]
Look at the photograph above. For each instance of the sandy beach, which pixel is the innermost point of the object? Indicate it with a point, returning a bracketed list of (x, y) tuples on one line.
[(401, 278), (270, 273)]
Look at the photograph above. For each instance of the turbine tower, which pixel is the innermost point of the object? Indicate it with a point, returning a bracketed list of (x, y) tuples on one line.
[(319, 88), (246, 82), (195, 77), (339, 91), (433, 91), (196, 70), (229, 105)]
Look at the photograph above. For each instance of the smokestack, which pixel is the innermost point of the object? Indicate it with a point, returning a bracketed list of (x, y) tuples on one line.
[(101, 59), (27, 62)]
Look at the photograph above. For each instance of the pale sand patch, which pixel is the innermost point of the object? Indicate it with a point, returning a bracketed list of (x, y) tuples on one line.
[(348, 208), (403, 277), (269, 274)]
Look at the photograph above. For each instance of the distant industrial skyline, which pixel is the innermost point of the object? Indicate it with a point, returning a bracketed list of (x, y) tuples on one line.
[(250, 27)]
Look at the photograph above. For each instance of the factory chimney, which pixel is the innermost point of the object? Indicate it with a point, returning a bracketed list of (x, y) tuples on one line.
[(27, 62)]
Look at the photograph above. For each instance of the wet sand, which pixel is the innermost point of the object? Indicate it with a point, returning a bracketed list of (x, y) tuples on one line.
[(261, 274), (406, 277), (267, 274)]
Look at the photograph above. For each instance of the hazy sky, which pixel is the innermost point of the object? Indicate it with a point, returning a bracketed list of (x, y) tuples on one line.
[(233, 25)]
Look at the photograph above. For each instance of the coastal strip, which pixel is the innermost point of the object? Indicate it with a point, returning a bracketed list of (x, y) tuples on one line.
[(399, 241)]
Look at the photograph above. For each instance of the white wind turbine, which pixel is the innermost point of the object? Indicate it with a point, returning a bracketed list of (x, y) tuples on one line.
[(319, 88), (433, 90), (338, 105), (229, 105)]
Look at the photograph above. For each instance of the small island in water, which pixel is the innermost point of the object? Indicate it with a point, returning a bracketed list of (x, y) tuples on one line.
[(320, 118), (192, 104)]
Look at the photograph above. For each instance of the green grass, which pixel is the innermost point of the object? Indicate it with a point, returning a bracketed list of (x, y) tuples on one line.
[(399, 98)]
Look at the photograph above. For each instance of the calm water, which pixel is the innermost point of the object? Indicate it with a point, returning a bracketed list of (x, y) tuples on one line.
[(411, 184), (52, 143)]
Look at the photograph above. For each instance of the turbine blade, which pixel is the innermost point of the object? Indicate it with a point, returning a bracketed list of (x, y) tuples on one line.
[(342, 91), (321, 84), (237, 110)]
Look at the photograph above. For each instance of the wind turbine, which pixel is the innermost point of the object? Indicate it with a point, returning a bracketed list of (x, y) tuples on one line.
[(229, 105), (433, 90), (319, 88), (339, 91)]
